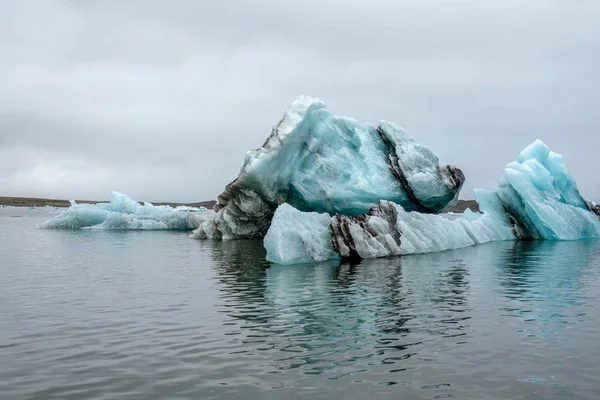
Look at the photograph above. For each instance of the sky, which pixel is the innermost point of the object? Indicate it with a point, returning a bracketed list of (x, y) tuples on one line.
[(161, 99)]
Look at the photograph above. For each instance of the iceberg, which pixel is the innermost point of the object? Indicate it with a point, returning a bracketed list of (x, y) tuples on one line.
[(316, 161), (537, 198), (542, 197), (122, 212), (325, 187)]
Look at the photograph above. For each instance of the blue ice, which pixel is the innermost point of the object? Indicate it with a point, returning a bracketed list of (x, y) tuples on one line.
[(122, 212), (537, 198), (317, 161)]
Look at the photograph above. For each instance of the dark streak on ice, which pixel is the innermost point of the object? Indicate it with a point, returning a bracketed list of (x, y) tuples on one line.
[(593, 208), (453, 177), (395, 169), (342, 240)]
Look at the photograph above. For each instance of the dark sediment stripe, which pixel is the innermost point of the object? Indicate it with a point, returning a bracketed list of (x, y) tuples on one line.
[(342, 240), (590, 206), (522, 227), (455, 176), (595, 210), (452, 177), (395, 169), (519, 227)]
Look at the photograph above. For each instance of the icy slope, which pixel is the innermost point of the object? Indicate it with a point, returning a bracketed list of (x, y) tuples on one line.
[(317, 161), (122, 212), (536, 198), (542, 196)]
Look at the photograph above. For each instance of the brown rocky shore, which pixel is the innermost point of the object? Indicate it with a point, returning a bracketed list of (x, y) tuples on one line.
[(461, 206)]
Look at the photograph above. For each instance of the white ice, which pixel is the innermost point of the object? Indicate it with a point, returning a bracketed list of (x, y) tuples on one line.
[(122, 212), (536, 198), (318, 161), (299, 236)]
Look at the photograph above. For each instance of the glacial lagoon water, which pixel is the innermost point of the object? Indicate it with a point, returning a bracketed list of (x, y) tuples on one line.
[(154, 315)]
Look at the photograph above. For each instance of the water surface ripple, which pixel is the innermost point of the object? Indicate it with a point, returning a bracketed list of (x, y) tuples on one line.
[(149, 315)]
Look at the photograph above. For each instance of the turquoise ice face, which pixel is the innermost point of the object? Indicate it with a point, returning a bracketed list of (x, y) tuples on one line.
[(536, 198), (542, 195), (317, 161)]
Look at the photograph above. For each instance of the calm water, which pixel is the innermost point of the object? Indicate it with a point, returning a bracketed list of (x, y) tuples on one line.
[(111, 315)]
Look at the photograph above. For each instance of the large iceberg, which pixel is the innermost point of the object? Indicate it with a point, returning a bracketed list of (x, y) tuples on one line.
[(536, 198), (122, 212), (316, 161), (328, 187)]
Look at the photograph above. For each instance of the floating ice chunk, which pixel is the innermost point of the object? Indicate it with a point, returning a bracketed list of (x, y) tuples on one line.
[(541, 195), (386, 230), (425, 233), (122, 212), (317, 161), (302, 237), (190, 209), (537, 198)]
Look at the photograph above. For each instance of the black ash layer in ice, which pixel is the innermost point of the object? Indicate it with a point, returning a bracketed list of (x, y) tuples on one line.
[(317, 161), (536, 198)]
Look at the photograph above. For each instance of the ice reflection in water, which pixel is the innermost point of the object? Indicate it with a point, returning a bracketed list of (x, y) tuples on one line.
[(153, 315), (468, 316)]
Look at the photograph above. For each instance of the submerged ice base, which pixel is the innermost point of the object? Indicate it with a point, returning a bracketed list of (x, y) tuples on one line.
[(122, 212), (537, 198)]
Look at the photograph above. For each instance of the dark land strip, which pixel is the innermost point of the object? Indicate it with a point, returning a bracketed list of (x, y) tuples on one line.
[(461, 206), (35, 202)]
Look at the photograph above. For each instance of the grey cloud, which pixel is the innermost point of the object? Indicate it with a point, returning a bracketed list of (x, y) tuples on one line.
[(161, 100)]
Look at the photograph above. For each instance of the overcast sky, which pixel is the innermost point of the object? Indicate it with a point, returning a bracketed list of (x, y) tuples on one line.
[(161, 99)]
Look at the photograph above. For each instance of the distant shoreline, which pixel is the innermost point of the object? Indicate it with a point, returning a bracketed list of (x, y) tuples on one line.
[(41, 202), (460, 207)]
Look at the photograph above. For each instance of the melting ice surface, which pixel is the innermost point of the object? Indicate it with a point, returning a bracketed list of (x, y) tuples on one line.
[(325, 187), (318, 161), (536, 198), (542, 195), (122, 212)]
